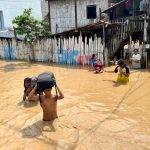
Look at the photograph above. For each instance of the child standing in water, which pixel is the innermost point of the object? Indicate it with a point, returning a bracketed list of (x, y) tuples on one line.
[(27, 87), (48, 102), (123, 72)]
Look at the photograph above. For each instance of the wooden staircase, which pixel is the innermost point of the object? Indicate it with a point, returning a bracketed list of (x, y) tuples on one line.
[(121, 33)]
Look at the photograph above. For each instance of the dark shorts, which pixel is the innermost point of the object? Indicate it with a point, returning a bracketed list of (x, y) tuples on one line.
[(50, 120)]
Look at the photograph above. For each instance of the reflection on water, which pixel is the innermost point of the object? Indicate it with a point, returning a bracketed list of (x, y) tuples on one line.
[(96, 113), (27, 103)]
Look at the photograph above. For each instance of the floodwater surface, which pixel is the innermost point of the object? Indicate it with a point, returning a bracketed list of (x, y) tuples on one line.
[(96, 113)]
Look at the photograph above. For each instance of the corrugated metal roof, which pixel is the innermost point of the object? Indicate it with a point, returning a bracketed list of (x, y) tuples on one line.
[(89, 28), (10, 34)]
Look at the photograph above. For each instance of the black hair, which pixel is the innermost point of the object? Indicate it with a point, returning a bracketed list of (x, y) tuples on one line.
[(120, 62), (93, 55), (26, 80)]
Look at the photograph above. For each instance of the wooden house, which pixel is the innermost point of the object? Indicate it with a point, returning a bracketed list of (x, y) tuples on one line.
[(126, 8), (68, 14)]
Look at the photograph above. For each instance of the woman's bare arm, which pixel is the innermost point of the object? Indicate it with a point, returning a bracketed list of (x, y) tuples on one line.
[(32, 96)]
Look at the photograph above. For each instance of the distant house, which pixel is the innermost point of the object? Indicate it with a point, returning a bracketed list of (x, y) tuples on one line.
[(68, 14), (44, 9), (12, 8), (125, 8)]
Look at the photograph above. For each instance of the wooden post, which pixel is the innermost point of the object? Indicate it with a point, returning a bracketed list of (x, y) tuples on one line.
[(100, 14), (130, 44), (76, 20), (56, 28), (133, 8), (144, 60), (104, 42), (49, 15)]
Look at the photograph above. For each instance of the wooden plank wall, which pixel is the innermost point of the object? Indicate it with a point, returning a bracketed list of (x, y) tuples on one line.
[(63, 13), (70, 50)]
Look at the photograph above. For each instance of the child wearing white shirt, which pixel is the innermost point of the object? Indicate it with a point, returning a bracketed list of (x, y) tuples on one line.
[(136, 60)]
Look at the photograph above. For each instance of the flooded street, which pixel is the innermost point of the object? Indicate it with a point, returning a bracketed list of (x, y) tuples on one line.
[(96, 114)]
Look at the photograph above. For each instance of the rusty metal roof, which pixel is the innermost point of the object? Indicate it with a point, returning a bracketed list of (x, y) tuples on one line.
[(89, 28)]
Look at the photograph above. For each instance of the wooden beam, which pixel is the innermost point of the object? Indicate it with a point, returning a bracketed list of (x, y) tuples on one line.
[(76, 19), (49, 15)]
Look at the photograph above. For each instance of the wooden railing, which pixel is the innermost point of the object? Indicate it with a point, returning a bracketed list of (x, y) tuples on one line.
[(128, 26)]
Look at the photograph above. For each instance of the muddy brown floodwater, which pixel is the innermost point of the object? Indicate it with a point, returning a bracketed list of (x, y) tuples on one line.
[(96, 114)]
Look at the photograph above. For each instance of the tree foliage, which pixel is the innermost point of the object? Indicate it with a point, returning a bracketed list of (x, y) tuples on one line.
[(30, 27)]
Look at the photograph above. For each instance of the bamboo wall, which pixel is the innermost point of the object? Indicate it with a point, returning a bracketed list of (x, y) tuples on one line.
[(62, 50)]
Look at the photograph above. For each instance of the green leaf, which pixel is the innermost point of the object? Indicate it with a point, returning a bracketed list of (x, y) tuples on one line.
[(30, 27)]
